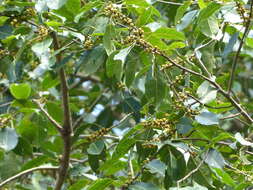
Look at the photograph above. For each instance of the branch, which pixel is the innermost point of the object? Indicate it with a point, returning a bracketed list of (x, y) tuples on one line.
[(55, 123), (66, 132), (216, 85), (83, 79), (104, 136), (193, 171), (235, 61), (27, 172)]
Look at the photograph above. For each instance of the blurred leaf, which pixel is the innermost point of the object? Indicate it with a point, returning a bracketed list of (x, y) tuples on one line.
[(184, 125), (100, 184), (20, 91), (8, 138), (96, 148), (207, 118), (156, 166), (181, 10), (107, 39), (79, 184), (143, 186), (215, 159), (208, 11)]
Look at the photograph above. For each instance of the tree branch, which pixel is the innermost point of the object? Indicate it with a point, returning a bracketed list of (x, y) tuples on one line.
[(27, 172), (216, 85), (55, 123), (66, 132), (235, 61)]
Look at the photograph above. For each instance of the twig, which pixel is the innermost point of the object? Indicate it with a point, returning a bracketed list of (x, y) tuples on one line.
[(27, 172), (105, 136), (230, 116), (212, 107), (5, 104), (235, 61), (168, 2), (66, 132), (83, 79), (193, 171), (55, 123), (216, 85)]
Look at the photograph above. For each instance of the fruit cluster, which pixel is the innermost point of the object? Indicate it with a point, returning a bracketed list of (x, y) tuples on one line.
[(4, 52), (241, 10), (88, 43), (112, 11), (162, 123), (98, 134), (26, 14), (4, 121), (42, 32)]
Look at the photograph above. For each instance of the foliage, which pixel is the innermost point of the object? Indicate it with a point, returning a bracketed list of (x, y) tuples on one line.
[(131, 94)]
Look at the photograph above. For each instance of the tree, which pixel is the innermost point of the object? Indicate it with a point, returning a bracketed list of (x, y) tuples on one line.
[(130, 94)]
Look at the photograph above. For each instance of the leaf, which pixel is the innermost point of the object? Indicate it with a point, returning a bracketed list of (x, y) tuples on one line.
[(3, 19), (114, 67), (186, 20), (8, 138), (123, 54), (184, 125), (215, 159), (210, 27), (195, 187), (100, 184), (107, 39), (242, 141), (5, 31), (208, 11), (73, 6), (207, 118), (93, 60), (143, 186), (206, 93), (224, 177), (147, 15), (229, 47), (122, 148), (41, 47), (20, 91), (181, 10), (96, 148), (80, 184), (55, 4), (156, 166), (168, 34)]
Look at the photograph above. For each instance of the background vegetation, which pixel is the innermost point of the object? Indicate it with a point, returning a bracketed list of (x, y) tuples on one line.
[(131, 94)]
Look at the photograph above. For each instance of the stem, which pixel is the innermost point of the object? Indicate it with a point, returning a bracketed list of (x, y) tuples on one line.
[(218, 87), (66, 131), (235, 61), (27, 172)]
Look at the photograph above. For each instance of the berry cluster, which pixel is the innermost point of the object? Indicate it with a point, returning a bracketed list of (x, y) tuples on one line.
[(42, 32), (121, 85), (4, 52), (18, 19), (112, 11), (128, 182), (4, 120), (165, 66), (88, 43), (240, 10), (98, 134), (162, 123)]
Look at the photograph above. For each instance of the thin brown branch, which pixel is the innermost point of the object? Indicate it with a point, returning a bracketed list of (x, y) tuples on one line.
[(25, 172), (105, 136), (193, 171), (55, 123), (66, 132), (230, 116), (235, 61), (216, 85)]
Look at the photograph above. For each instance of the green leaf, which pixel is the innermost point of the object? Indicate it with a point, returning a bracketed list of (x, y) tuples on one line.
[(8, 138), (143, 186), (107, 39), (207, 118), (210, 27), (80, 184), (100, 184), (224, 177), (195, 187), (208, 11), (206, 92), (181, 10), (229, 47), (215, 159), (114, 67), (123, 54), (55, 4), (3, 19), (156, 166), (147, 15), (122, 148), (73, 6), (184, 125), (42, 47), (96, 148), (168, 34), (20, 91), (5, 31), (93, 60)]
